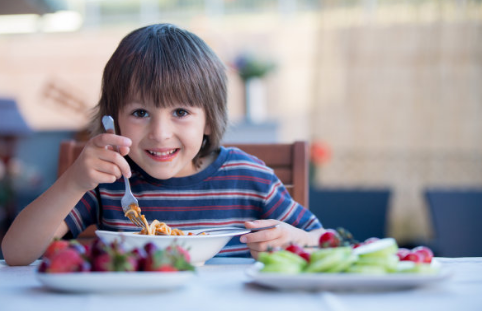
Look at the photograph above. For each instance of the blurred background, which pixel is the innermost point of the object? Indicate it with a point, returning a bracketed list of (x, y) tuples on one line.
[(387, 93)]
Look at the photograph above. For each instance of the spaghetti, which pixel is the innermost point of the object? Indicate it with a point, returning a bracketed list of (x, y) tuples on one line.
[(155, 228)]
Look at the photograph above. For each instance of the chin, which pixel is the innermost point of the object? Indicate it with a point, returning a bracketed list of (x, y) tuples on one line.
[(162, 176)]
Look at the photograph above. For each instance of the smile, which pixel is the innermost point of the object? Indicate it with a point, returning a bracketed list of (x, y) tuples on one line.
[(162, 155)]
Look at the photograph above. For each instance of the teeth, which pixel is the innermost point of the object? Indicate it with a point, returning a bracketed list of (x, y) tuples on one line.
[(162, 153)]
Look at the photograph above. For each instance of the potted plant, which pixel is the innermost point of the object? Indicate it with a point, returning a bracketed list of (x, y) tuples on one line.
[(251, 69)]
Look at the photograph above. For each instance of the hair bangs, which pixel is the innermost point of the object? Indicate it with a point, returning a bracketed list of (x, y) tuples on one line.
[(169, 72)]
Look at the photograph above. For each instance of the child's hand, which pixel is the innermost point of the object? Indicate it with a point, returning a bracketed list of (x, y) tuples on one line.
[(276, 237), (99, 162)]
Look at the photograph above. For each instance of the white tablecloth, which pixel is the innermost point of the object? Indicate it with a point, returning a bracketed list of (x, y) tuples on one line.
[(223, 285)]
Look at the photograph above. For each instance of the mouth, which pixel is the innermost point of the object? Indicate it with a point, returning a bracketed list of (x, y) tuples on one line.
[(164, 155)]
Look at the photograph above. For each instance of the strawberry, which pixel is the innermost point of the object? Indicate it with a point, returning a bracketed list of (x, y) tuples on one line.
[(54, 247), (415, 257), (66, 260), (426, 253), (167, 268), (113, 258), (298, 250), (178, 250), (330, 238), (402, 252), (174, 257)]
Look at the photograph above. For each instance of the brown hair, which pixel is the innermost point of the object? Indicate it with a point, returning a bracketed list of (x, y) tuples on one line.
[(167, 65)]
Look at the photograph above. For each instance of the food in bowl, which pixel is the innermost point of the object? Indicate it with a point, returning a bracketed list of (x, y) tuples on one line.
[(200, 247)]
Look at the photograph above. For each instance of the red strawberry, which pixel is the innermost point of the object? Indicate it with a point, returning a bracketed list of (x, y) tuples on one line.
[(177, 250), (306, 256), (173, 256), (402, 252), (66, 260), (295, 249), (114, 258), (96, 248), (426, 253), (330, 238), (298, 250), (102, 263), (54, 247), (167, 268), (150, 248), (415, 257)]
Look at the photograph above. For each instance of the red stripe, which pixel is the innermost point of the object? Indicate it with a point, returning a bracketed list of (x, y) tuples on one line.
[(273, 190), (113, 208), (187, 208), (215, 194), (162, 195), (310, 222), (299, 217), (197, 224), (109, 194), (289, 212), (199, 208), (89, 208), (119, 223), (272, 209), (240, 177), (76, 216)]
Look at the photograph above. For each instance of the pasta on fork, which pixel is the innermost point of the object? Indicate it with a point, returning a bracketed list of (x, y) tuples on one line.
[(155, 228)]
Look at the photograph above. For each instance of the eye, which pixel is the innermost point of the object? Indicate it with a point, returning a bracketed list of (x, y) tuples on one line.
[(180, 112), (140, 113)]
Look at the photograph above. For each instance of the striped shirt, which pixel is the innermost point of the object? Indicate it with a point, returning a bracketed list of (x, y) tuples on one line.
[(235, 188)]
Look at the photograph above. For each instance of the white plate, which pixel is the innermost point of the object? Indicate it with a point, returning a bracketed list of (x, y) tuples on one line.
[(341, 281), (200, 247), (89, 282)]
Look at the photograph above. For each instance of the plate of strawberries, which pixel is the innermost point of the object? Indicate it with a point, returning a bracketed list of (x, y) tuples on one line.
[(70, 266)]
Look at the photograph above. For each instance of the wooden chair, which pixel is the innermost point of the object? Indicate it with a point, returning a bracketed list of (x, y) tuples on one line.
[(289, 161)]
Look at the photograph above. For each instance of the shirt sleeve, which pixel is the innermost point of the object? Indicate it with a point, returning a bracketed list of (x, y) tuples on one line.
[(280, 205), (83, 214)]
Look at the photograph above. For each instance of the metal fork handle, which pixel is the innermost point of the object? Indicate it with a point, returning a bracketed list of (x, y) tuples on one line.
[(127, 184), (108, 123)]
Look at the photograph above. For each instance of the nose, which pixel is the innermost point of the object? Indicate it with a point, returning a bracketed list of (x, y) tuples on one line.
[(160, 129)]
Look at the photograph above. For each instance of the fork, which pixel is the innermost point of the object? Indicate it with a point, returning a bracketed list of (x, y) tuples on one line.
[(128, 199), (237, 229)]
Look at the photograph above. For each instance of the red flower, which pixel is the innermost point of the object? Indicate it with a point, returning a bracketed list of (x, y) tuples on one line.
[(320, 152)]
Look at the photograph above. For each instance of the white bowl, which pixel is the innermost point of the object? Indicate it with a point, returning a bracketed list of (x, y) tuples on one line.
[(200, 247)]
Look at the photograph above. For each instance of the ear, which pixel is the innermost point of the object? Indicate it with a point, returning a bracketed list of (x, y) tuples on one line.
[(207, 129)]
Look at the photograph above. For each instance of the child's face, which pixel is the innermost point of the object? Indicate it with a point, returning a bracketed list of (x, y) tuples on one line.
[(164, 140)]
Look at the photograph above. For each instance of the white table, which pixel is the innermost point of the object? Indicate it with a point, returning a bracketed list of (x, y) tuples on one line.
[(223, 285)]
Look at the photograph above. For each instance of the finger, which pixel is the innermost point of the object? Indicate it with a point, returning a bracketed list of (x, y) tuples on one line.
[(262, 246), (124, 150), (109, 168), (104, 178), (114, 158), (104, 140), (254, 254), (261, 223), (260, 236)]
